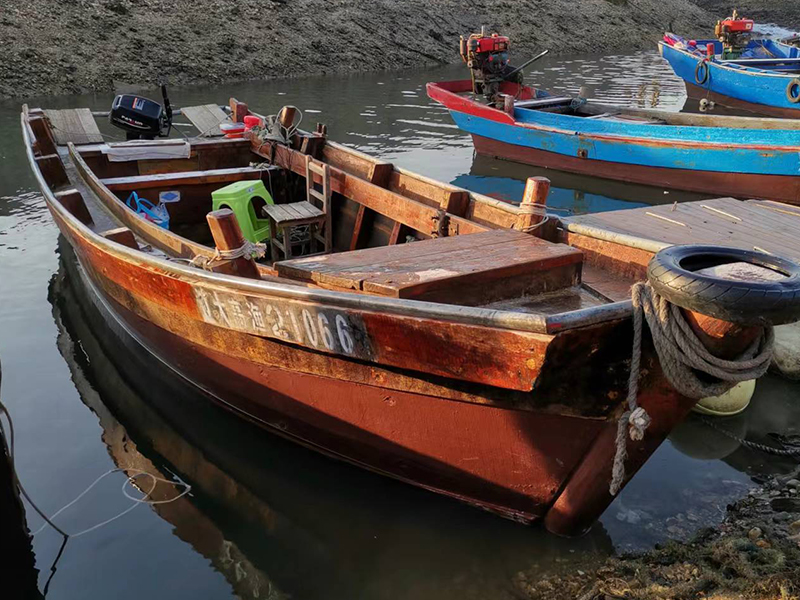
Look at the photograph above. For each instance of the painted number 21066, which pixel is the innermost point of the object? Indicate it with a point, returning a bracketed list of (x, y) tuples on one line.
[(322, 329)]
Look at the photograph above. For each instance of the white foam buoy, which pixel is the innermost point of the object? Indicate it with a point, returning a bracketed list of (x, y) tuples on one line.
[(732, 402), (786, 358)]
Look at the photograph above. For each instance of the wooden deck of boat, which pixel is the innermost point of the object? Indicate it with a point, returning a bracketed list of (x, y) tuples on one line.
[(760, 225), (464, 269)]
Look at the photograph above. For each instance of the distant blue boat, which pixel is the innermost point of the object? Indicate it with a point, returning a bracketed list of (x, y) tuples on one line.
[(764, 79), (743, 157)]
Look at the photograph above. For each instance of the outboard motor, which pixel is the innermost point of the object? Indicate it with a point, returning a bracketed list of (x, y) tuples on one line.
[(142, 118)]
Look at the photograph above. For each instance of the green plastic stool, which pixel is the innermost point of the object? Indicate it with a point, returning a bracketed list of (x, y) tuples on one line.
[(238, 197)]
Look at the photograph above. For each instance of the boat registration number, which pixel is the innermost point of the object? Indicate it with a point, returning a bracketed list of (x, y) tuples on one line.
[(302, 323)]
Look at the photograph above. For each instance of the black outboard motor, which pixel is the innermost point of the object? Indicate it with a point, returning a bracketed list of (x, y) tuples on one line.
[(141, 118)]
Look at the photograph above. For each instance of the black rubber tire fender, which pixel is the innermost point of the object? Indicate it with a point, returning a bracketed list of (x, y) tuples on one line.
[(706, 72), (794, 86), (672, 273)]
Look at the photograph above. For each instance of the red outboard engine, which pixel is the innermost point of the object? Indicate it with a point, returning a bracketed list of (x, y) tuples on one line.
[(487, 58), (142, 118)]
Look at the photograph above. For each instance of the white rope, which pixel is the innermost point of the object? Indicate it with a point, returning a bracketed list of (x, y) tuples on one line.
[(130, 480), (681, 355), (246, 250), (530, 208)]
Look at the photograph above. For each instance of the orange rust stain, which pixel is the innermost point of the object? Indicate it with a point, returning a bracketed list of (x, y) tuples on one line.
[(140, 280)]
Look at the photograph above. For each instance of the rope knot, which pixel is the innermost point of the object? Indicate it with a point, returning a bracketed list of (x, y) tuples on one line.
[(247, 250), (638, 421)]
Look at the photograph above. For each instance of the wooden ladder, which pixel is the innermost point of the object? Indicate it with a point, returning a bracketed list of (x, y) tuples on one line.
[(323, 170)]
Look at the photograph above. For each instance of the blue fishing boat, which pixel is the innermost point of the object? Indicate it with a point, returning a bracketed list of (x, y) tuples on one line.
[(734, 70), (717, 155)]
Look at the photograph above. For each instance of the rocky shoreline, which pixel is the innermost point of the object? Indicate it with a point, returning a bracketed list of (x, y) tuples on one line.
[(53, 47), (753, 555)]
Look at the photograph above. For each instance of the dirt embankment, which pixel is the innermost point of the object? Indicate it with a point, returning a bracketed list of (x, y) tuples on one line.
[(71, 46), (785, 13)]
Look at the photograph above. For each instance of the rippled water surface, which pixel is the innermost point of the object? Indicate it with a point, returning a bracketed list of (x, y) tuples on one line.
[(266, 519)]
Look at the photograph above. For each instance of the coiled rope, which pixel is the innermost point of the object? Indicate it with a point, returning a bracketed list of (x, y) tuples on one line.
[(681, 355), (246, 250), (531, 208)]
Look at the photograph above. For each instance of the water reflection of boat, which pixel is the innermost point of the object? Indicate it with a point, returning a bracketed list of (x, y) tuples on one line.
[(577, 193), (271, 515)]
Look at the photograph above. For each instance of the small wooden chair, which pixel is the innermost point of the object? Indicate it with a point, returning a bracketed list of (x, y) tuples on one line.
[(284, 218)]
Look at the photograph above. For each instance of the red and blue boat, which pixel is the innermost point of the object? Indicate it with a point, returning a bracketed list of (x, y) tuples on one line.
[(718, 155), (737, 71)]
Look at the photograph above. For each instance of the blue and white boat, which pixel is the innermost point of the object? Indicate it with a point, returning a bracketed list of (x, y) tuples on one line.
[(762, 76), (744, 157)]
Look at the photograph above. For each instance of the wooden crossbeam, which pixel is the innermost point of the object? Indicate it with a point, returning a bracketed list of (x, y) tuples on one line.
[(409, 212)]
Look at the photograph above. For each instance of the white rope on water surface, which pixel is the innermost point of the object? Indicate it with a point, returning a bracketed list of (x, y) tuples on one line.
[(130, 480), (681, 355)]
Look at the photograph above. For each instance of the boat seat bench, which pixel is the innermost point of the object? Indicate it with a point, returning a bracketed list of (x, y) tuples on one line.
[(467, 270), (161, 180)]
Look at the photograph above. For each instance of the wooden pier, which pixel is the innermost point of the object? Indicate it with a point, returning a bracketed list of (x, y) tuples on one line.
[(633, 236)]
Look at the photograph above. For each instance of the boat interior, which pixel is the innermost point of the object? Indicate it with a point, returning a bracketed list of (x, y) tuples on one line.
[(341, 220)]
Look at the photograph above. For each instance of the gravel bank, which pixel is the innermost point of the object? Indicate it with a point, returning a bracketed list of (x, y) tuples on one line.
[(73, 46), (785, 13)]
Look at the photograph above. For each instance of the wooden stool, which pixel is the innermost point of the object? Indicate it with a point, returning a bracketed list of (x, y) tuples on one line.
[(285, 217)]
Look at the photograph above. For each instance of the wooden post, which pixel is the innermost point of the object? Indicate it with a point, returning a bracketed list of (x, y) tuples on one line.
[(508, 104), (239, 110), (286, 116), (228, 236), (534, 201)]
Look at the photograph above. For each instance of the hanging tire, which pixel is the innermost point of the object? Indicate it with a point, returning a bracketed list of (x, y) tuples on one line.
[(793, 91), (674, 274), (701, 72)]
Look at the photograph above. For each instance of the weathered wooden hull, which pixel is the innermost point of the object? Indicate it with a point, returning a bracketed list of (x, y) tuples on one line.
[(784, 188), (509, 411)]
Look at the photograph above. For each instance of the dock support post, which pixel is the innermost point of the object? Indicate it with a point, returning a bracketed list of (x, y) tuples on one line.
[(228, 236), (532, 210)]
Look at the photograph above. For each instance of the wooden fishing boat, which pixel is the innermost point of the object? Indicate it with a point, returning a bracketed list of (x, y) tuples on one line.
[(734, 70), (477, 360), (736, 156)]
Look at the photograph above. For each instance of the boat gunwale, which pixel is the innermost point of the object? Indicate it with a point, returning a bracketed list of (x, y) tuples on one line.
[(505, 119), (506, 320)]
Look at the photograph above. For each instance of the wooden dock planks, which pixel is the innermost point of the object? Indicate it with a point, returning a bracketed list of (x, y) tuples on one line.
[(461, 269), (76, 125), (761, 225)]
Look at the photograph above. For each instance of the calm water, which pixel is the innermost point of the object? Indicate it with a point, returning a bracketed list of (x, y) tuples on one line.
[(266, 519)]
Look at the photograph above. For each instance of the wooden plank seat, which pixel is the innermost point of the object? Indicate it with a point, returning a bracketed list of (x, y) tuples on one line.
[(284, 218), (543, 102), (467, 269), (136, 182), (76, 125)]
